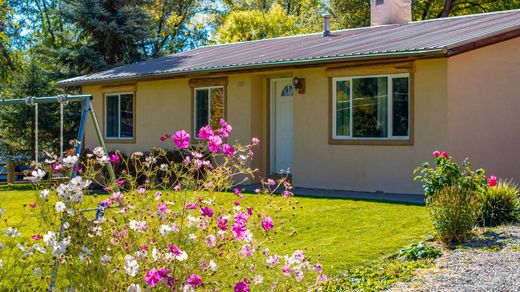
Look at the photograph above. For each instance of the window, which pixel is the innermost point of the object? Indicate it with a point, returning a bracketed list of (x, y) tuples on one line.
[(209, 107), (119, 115), (372, 107)]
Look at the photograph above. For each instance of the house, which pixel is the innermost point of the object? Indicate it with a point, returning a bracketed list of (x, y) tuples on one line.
[(370, 104)]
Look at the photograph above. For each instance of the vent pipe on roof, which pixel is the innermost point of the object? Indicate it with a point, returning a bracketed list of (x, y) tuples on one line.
[(390, 11), (326, 24)]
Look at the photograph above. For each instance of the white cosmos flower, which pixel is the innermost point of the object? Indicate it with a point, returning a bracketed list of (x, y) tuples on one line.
[(37, 175), (69, 161), (37, 272), (131, 266), (2, 212), (99, 151), (60, 207), (106, 259), (39, 248), (134, 288), (44, 194), (165, 229), (212, 265), (12, 232)]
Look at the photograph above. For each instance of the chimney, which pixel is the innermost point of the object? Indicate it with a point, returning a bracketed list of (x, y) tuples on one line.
[(326, 24), (390, 11)]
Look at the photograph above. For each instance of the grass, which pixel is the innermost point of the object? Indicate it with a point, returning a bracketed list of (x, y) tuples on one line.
[(343, 233)]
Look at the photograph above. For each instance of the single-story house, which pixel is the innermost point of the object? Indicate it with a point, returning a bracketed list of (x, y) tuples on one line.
[(354, 109)]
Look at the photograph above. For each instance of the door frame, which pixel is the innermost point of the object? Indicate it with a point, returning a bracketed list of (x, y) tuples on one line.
[(272, 122)]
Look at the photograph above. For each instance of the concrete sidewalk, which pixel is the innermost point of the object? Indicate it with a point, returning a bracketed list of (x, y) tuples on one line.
[(401, 198)]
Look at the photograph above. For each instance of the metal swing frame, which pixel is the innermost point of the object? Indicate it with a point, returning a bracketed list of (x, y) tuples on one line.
[(87, 108)]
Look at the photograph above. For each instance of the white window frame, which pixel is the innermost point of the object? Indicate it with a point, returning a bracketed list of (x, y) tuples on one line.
[(209, 104), (118, 137), (390, 108)]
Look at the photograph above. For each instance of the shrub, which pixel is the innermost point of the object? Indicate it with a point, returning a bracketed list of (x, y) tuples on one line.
[(500, 204), (454, 213), (167, 229), (448, 173), (418, 251)]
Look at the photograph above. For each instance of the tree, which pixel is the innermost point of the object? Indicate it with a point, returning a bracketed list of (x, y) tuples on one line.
[(17, 121), (251, 20)]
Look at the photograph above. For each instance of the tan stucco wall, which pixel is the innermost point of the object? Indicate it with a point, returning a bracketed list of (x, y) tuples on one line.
[(165, 106), (367, 167), (484, 108)]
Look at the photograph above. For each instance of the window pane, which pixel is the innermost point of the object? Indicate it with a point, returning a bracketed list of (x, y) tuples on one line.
[(217, 106), (370, 107), (343, 108), (112, 118), (127, 115), (201, 109), (400, 106)]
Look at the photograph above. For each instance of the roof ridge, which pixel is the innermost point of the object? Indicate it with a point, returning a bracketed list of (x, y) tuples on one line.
[(466, 16)]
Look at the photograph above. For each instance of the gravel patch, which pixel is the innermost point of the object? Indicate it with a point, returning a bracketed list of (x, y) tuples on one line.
[(490, 262)]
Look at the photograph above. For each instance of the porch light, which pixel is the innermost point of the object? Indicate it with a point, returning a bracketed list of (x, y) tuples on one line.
[(299, 83)]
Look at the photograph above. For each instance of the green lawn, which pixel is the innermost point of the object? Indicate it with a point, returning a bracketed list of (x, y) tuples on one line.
[(344, 233)]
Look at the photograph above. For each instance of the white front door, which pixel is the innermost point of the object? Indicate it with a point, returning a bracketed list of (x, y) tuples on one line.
[(281, 125)]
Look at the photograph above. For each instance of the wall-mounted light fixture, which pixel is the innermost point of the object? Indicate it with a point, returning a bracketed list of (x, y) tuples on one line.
[(299, 84)]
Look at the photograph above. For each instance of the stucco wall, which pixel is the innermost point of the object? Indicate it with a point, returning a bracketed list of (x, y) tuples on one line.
[(484, 108), (165, 106), (367, 167)]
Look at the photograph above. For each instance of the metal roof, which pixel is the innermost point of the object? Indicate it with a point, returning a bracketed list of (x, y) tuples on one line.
[(437, 36)]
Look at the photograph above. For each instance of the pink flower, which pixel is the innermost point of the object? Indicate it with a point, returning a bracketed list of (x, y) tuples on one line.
[(267, 223), (286, 194), (321, 278), (165, 137), (56, 167), (206, 212), (162, 208), (271, 182), (247, 250), (36, 237), (236, 203), (214, 143), (286, 270), (191, 206), (116, 197), (445, 154), (239, 226), (255, 141), (228, 150), (298, 255), (141, 191), (250, 211), (164, 272), (241, 287), (318, 268), (436, 153), (211, 240), (143, 247), (273, 260), (175, 250), (492, 181), (205, 132), (226, 128), (194, 281), (153, 277), (181, 139), (120, 181), (223, 222), (77, 168), (33, 205), (237, 192), (114, 158)]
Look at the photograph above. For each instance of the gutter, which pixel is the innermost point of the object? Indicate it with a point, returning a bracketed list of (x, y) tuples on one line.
[(441, 52)]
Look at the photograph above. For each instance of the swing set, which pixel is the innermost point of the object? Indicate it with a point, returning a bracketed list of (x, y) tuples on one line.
[(62, 99)]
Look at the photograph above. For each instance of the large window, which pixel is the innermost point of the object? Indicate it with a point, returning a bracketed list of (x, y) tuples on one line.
[(119, 115), (372, 107), (209, 107)]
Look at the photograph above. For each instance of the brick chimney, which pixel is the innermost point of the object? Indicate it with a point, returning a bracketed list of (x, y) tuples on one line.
[(390, 11)]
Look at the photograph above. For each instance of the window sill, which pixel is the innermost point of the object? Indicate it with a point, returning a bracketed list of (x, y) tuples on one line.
[(120, 141), (404, 142)]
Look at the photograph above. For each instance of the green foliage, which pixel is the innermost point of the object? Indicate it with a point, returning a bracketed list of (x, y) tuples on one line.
[(377, 276), (418, 251), (447, 173), (253, 25), (17, 121), (454, 212), (500, 204)]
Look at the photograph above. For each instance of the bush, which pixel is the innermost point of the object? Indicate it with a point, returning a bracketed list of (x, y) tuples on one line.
[(500, 204), (448, 173), (454, 213), (418, 251)]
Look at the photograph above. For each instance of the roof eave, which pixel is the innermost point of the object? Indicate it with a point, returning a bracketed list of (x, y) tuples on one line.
[(437, 52)]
